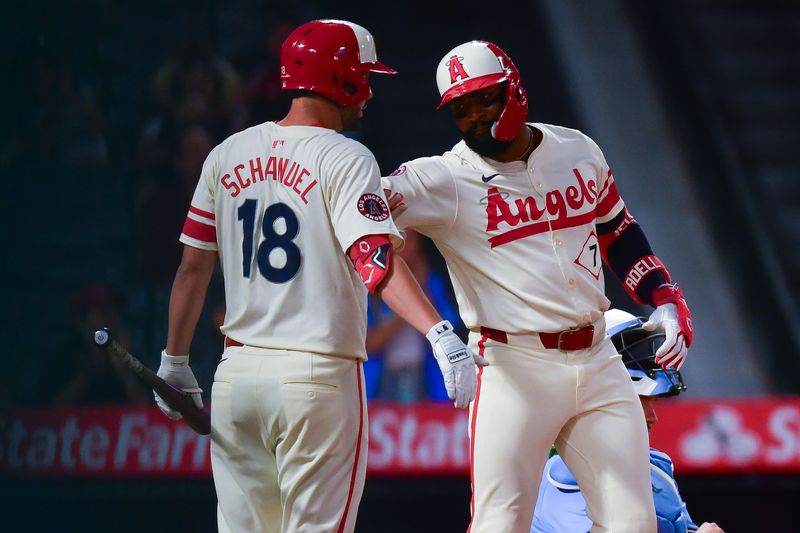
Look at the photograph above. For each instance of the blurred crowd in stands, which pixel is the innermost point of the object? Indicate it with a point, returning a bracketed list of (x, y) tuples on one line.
[(198, 99)]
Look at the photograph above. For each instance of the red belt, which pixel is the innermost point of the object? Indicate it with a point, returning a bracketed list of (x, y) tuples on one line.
[(567, 340), (230, 342)]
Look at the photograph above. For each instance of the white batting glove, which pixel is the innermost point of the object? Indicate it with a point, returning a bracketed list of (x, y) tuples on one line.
[(673, 352), (457, 363), (175, 370)]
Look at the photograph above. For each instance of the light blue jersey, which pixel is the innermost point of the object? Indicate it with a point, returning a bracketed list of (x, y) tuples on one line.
[(562, 509)]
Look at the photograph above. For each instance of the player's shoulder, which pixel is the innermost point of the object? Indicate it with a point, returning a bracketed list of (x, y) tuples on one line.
[(661, 460), (461, 154), (232, 144), (566, 136), (338, 145), (241, 136), (423, 164), (434, 169), (268, 132)]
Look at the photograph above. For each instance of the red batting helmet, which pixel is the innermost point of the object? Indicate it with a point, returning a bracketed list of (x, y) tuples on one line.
[(332, 58), (476, 65)]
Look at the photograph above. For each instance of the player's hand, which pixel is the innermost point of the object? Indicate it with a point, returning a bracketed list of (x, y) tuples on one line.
[(672, 316), (709, 527), (395, 200), (457, 363), (175, 370)]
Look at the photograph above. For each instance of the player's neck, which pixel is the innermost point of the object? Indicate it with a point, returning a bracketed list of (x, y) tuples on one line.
[(310, 111), (523, 146)]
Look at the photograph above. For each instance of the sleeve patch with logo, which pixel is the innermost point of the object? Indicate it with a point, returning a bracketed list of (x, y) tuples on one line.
[(373, 207)]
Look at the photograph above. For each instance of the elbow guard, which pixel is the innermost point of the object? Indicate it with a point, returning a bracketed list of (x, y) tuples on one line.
[(371, 257)]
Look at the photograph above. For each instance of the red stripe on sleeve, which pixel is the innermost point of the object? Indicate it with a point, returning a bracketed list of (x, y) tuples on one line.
[(608, 203), (196, 211), (198, 230), (607, 183)]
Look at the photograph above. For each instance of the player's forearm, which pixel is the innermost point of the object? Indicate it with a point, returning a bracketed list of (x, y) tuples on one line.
[(627, 252), (187, 297), (405, 297)]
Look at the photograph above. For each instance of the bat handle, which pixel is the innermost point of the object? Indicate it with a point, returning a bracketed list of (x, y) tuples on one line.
[(197, 419)]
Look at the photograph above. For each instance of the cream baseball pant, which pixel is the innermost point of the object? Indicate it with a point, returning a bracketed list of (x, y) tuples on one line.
[(288, 441), (583, 401)]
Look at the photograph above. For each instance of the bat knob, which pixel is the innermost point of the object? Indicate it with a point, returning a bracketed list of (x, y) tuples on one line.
[(102, 338)]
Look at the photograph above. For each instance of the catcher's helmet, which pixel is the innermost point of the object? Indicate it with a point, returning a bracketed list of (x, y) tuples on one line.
[(476, 65), (637, 348), (331, 58)]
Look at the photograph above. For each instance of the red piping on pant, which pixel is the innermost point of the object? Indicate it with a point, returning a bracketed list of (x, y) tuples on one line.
[(481, 350), (358, 448)]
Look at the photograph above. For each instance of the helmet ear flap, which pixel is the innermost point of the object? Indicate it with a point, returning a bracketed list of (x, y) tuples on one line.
[(513, 117)]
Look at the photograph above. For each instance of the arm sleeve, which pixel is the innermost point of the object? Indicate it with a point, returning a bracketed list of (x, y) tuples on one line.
[(623, 245), (372, 257), (200, 227), (427, 193), (627, 252), (356, 200)]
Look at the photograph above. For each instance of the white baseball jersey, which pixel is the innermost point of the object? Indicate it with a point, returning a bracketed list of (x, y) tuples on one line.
[(282, 205), (519, 238)]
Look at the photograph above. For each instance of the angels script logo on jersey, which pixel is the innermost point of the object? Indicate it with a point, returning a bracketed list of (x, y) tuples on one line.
[(373, 207), (525, 214)]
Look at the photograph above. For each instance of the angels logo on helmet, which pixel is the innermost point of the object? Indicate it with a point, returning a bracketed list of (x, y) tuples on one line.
[(477, 65), (457, 71)]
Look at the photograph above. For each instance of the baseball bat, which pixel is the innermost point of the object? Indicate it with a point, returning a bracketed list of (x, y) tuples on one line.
[(197, 419)]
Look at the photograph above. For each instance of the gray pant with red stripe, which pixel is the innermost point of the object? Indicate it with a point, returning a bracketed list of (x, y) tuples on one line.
[(288, 441), (583, 401)]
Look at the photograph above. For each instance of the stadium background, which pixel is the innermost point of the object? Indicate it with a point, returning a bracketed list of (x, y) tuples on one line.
[(694, 103)]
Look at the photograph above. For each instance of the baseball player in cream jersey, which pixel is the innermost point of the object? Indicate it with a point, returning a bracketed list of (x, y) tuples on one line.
[(297, 216), (525, 214)]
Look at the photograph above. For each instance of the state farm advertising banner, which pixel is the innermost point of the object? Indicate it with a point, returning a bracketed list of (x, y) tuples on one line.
[(760, 435), (426, 439), (107, 441), (423, 439)]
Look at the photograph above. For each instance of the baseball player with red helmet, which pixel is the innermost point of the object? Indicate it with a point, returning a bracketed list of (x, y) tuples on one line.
[(296, 215), (525, 214)]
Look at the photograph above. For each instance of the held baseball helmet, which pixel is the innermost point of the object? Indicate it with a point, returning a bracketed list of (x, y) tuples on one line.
[(476, 65), (638, 348), (332, 58)]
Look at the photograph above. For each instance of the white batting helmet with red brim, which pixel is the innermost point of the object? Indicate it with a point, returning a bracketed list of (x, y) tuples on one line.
[(476, 65)]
